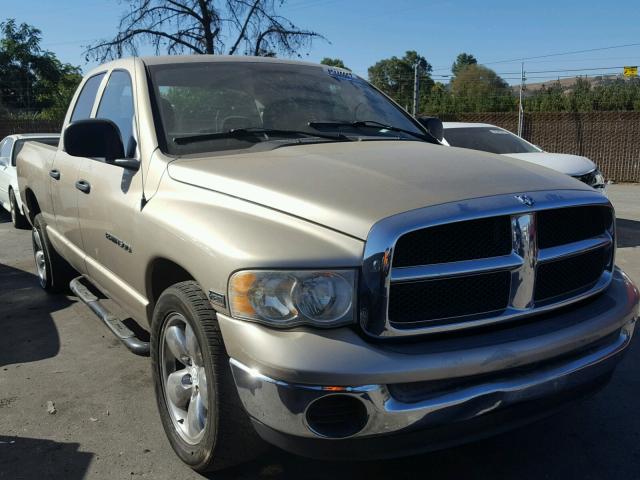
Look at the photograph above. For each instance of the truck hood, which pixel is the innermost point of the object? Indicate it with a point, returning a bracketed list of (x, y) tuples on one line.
[(350, 186), (573, 165)]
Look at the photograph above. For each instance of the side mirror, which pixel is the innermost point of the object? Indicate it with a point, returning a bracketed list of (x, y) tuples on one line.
[(434, 127), (94, 138)]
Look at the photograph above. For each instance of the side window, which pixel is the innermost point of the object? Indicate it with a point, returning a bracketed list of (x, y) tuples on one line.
[(83, 107), (117, 105), (16, 150), (5, 147)]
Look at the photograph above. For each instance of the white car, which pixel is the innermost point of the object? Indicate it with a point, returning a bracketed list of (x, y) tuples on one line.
[(9, 191), (489, 138)]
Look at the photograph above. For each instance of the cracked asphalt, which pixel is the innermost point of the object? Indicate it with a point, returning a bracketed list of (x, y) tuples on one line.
[(52, 349)]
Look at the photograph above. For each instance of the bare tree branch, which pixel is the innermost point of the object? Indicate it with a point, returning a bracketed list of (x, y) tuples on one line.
[(284, 38), (186, 9), (244, 27), (204, 26), (121, 40)]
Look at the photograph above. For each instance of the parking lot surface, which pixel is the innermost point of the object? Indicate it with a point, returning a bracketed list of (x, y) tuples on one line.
[(52, 349)]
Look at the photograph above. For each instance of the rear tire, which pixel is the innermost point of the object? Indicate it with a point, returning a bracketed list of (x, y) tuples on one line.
[(54, 273), (18, 220), (197, 399)]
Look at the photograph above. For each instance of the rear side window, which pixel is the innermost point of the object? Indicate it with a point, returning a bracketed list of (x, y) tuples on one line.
[(87, 97), (5, 147), (487, 139), (117, 105)]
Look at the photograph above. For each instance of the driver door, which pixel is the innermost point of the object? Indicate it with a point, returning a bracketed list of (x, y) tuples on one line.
[(111, 206)]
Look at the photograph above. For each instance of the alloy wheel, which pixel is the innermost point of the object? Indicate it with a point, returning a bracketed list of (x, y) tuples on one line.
[(38, 253), (184, 378)]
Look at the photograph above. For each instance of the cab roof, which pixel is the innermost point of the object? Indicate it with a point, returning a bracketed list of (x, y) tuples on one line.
[(467, 125), (173, 59)]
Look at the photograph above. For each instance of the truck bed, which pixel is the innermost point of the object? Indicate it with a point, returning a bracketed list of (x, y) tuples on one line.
[(32, 165)]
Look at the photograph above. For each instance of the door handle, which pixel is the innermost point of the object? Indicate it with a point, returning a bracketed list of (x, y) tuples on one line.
[(83, 186), (55, 174)]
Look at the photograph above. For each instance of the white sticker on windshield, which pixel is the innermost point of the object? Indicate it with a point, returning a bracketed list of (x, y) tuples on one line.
[(499, 132), (341, 73)]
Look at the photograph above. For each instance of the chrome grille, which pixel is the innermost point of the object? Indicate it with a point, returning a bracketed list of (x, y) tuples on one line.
[(415, 302), (482, 238), (571, 275), (560, 251), (586, 222)]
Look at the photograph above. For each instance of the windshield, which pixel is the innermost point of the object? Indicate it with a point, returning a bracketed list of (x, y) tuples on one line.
[(217, 97), (487, 139)]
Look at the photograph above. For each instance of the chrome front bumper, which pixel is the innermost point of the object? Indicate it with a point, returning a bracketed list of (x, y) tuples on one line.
[(283, 406)]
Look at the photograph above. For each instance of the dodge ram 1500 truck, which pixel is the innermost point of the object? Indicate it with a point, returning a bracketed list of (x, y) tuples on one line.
[(315, 270)]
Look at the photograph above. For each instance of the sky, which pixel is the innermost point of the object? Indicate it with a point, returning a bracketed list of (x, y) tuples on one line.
[(361, 32)]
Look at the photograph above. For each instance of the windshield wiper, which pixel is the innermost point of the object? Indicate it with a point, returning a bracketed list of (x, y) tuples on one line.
[(371, 124), (258, 133)]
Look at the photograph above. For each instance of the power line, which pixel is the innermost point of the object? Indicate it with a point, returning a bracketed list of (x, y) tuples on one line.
[(576, 70), (565, 53), (590, 59), (504, 75), (558, 54)]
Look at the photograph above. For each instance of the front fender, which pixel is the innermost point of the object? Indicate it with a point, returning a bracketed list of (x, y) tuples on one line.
[(211, 235)]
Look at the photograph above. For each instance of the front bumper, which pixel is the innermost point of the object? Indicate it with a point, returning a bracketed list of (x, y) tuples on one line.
[(282, 406), (557, 356)]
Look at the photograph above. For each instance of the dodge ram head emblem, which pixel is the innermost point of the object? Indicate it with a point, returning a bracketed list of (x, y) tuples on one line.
[(525, 200)]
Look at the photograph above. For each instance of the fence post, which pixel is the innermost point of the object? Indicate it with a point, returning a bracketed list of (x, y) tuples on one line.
[(416, 88), (520, 106)]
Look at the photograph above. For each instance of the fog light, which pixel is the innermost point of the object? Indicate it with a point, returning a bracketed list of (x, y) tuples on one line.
[(336, 416)]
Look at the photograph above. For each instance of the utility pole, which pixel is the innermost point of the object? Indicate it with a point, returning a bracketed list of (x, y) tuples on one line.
[(416, 88), (520, 106)]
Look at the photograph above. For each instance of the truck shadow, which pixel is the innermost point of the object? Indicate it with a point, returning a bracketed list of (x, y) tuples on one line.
[(34, 458), (28, 331), (515, 454), (627, 232)]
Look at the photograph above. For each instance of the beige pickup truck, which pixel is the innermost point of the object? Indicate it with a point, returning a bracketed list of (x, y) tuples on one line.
[(315, 271)]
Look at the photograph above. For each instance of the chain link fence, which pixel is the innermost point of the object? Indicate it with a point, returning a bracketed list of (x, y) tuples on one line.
[(13, 126), (611, 139)]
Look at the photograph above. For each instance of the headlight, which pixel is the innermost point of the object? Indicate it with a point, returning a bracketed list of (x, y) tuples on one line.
[(598, 180), (290, 298)]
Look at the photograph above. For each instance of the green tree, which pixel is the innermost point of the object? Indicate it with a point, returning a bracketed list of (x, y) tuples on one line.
[(580, 98), (548, 99), (394, 76), (479, 89), (463, 60), (587, 96), (440, 101), (334, 62), (617, 95), (32, 79), (57, 95)]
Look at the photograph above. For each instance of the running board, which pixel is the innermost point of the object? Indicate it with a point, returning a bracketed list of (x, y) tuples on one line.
[(119, 329)]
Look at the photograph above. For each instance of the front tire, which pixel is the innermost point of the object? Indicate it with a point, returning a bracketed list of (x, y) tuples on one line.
[(196, 396), (18, 220)]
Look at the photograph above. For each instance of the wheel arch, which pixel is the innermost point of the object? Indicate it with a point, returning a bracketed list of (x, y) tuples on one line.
[(32, 205), (163, 272)]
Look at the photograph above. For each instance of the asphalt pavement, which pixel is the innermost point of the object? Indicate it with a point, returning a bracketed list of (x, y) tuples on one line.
[(54, 354)]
